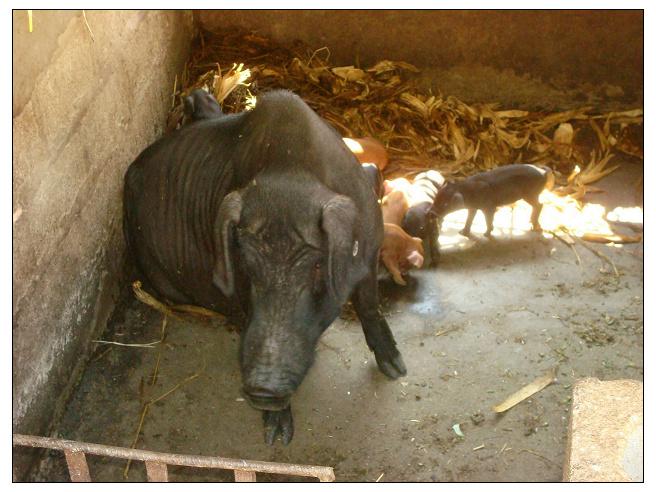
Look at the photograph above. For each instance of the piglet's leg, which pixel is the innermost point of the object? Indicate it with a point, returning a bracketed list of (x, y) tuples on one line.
[(433, 243), (535, 214), (393, 267), (489, 220), (376, 330), (471, 213), (278, 423)]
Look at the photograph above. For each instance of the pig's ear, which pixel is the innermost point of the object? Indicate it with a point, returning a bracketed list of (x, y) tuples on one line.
[(227, 218), (188, 104), (346, 265)]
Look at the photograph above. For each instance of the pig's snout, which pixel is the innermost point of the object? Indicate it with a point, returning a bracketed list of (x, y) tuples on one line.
[(267, 395), (263, 399), (269, 385)]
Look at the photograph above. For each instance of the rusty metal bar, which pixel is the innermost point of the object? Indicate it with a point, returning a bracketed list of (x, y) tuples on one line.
[(323, 473), (244, 476), (157, 472), (77, 466)]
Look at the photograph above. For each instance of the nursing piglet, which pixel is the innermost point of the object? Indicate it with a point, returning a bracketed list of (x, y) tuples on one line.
[(408, 204), (418, 222), (394, 204), (368, 150), (400, 252)]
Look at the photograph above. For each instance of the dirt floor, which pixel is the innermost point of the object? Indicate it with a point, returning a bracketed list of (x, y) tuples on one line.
[(492, 318)]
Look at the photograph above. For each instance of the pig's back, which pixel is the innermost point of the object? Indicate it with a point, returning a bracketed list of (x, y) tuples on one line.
[(513, 182)]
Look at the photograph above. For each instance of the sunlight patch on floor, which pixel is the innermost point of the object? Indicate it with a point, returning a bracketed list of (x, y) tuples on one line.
[(558, 212)]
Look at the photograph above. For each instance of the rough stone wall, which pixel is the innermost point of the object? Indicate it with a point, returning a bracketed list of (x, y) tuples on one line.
[(584, 46), (86, 101)]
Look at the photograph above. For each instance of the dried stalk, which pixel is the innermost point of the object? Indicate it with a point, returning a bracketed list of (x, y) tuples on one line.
[(146, 408), (171, 310), (140, 345), (569, 243), (153, 378), (600, 255)]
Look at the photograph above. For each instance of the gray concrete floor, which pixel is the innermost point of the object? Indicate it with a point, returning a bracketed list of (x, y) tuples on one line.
[(493, 317)]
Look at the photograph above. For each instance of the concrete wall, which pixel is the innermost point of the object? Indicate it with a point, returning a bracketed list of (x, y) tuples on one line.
[(593, 46), (83, 109)]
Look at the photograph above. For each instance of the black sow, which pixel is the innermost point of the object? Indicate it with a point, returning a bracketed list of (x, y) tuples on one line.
[(269, 211)]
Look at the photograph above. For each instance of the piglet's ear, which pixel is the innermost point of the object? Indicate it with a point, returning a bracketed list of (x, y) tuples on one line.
[(447, 200), (227, 218), (346, 264), (457, 202)]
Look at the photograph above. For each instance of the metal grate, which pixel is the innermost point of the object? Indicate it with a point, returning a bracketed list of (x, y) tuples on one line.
[(156, 463)]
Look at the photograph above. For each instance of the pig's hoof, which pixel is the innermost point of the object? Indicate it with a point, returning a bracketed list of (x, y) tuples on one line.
[(278, 423), (465, 233), (393, 367), (399, 280)]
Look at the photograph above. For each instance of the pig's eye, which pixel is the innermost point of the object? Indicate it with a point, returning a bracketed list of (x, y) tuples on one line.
[(317, 277), (317, 271)]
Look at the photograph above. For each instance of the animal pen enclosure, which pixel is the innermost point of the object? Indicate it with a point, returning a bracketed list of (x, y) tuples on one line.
[(456, 91)]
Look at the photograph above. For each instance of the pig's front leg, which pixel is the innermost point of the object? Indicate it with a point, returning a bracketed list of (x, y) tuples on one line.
[(376, 330), (278, 423)]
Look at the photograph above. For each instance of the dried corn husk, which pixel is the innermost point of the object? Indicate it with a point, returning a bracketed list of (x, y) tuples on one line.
[(611, 238), (225, 84), (420, 130)]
